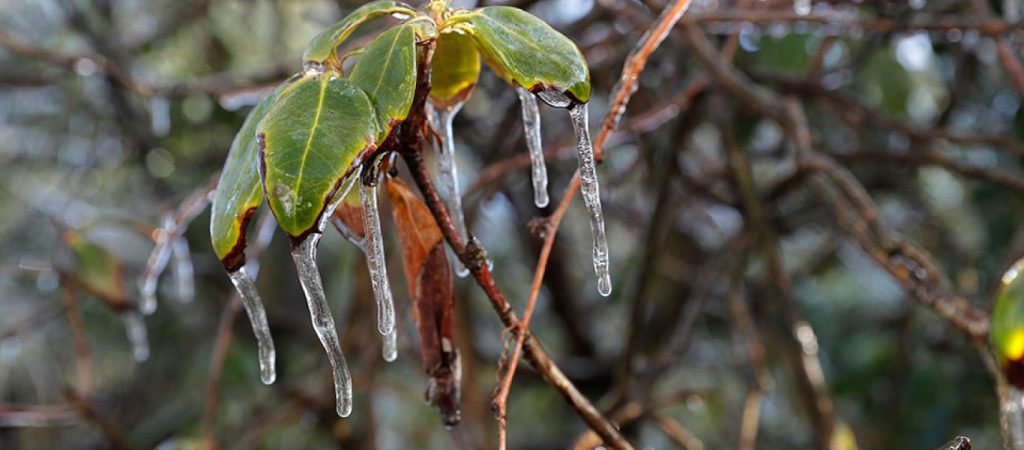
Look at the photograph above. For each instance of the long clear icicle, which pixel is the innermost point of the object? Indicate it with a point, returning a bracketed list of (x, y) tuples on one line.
[(304, 255), (375, 260), (449, 174), (531, 129), (591, 196), (246, 288), (1011, 417), (135, 328)]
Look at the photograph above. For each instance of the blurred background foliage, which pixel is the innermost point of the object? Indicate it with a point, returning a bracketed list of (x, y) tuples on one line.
[(112, 112)]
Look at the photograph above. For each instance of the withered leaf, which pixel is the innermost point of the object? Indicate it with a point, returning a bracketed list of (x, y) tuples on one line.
[(429, 280)]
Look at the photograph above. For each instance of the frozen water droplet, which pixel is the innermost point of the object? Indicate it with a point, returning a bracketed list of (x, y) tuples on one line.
[(375, 260), (531, 130), (304, 256), (591, 196), (449, 174), (802, 7), (312, 69), (183, 271), (246, 288), (135, 328), (554, 97), (390, 348)]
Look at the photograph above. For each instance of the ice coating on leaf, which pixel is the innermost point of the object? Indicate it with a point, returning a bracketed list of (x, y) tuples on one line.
[(323, 47), (183, 271), (308, 142), (304, 256), (386, 72), (375, 260), (239, 192), (449, 174), (246, 288), (135, 329), (526, 51), (591, 196), (531, 130)]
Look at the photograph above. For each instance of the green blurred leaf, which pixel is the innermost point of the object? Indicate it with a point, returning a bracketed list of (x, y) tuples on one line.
[(322, 48), (239, 191), (308, 141), (97, 270), (454, 70), (1007, 327), (386, 72), (525, 51)]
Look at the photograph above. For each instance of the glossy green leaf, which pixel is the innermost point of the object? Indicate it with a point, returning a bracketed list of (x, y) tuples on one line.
[(308, 141), (1007, 327), (322, 48), (239, 191), (527, 52), (386, 72), (97, 270), (454, 70)]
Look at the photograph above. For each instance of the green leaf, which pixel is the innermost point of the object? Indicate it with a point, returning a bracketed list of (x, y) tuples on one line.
[(239, 191), (322, 49), (308, 141), (527, 52), (1007, 326), (386, 72), (454, 70), (97, 270)]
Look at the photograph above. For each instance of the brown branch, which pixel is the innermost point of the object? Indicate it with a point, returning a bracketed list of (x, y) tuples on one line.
[(912, 267), (499, 402), (473, 256), (635, 63)]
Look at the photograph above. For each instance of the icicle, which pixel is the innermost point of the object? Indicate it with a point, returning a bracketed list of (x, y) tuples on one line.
[(246, 288), (375, 260), (531, 129), (591, 196), (155, 266), (450, 176), (390, 349), (183, 271), (802, 7), (1011, 417), (135, 328), (304, 255), (1011, 10)]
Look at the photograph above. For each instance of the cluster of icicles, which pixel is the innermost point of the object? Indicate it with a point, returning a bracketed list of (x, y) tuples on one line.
[(442, 121), (304, 253)]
